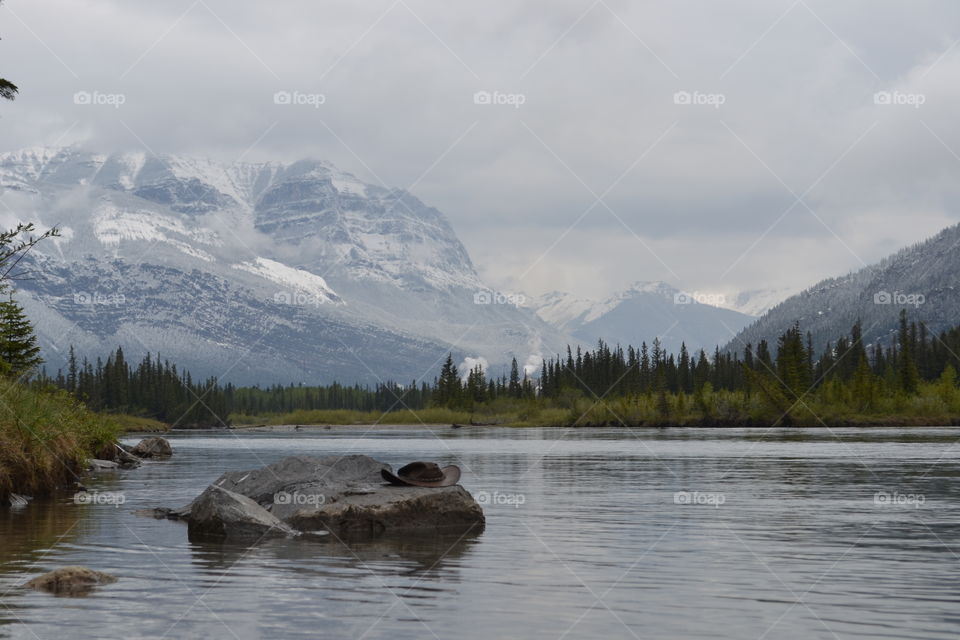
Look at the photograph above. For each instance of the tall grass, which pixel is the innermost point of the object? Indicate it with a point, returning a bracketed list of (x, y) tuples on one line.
[(348, 417), (46, 438), (138, 424)]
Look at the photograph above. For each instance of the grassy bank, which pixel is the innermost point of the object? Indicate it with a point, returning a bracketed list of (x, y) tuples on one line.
[(348, 417), (138, 424), (935, 404), (45, 439)]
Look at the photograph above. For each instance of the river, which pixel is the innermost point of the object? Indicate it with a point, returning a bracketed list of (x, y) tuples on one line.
[(599, 533)]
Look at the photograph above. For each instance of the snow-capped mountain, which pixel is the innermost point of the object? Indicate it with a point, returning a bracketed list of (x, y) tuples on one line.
[(644, 311), (259, 272), (921, 279), (756, 302)]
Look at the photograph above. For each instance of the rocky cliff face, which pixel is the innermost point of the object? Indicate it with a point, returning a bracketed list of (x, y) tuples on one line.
[(262, 272)]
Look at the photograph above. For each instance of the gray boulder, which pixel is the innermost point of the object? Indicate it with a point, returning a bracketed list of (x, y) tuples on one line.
[(222, 514), (406, 510), (153, 447), (346, 496)]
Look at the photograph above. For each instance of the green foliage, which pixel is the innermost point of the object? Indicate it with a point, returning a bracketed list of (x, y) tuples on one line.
[(19, 351), (138, 424), (45, 438), (352, 417)]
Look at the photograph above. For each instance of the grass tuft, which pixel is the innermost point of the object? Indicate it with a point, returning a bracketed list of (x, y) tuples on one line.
[(46, 438)]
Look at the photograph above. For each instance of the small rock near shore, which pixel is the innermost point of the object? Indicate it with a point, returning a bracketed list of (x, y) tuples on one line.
[(154, 447), (102, 465), (126, 459), (70, 581)]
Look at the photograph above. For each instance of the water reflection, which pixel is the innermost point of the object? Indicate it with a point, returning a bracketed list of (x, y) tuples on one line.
[(599, 545), (437, 556), (27, 533)]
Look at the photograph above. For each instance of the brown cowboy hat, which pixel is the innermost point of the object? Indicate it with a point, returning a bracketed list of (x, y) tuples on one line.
[(423, 474)]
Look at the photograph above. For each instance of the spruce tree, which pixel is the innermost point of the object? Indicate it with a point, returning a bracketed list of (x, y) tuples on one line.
[(72, 371), (909, 377), (515, 389), (18, 343)]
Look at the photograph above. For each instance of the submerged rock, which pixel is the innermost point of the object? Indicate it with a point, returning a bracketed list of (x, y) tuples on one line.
[(344, 495), (102, 465), (70, 581), (153, 447)]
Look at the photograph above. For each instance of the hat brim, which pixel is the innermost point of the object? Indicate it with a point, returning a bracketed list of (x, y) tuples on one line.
[(451, 476)]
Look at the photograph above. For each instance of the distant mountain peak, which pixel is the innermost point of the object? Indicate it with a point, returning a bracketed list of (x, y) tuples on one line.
[(640, 313)]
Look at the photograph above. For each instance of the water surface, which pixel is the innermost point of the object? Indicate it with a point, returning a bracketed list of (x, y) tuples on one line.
[(590, 533)]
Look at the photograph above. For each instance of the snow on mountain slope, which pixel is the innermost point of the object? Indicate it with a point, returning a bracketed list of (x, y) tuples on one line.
[(640, 313), (298, 279), (756, 302), (300, 268), (921, 279)]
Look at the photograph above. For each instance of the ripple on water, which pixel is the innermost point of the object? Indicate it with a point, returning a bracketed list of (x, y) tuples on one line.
[(599, 546)]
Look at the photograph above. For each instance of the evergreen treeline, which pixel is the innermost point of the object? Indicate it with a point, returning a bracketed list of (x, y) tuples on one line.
[(152, 388), (777, 378), (790, 367)]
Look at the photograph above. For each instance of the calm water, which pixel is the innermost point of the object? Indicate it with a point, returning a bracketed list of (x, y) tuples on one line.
[(784, 538)]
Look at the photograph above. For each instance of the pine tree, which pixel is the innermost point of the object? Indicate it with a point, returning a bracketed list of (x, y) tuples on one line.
[(515, 388), (448, 386), (909, 377), (72, 371), (18, 343)]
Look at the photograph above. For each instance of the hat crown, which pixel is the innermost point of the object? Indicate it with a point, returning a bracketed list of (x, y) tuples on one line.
[(423, 471)]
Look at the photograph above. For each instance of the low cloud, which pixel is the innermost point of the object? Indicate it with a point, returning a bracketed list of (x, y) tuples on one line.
[(598, 176)]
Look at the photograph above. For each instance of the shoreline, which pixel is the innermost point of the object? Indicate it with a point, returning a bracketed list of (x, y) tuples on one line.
[(898, 423)]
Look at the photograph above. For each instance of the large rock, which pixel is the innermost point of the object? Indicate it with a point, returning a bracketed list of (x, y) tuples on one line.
[(222, 514), (393, 510), (70, 581), (345, 496), (153, 448)]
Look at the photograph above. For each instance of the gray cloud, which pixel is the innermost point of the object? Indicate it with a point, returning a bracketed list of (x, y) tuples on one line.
[(696, 192)]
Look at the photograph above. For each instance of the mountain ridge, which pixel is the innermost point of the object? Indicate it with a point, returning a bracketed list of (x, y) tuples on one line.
[(640, 313), (196, 259), (920, 278)]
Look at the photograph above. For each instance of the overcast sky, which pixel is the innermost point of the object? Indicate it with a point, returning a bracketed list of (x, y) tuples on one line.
[(778, 166)]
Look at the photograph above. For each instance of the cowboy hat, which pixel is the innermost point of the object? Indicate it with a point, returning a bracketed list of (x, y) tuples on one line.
[(423, 474)]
